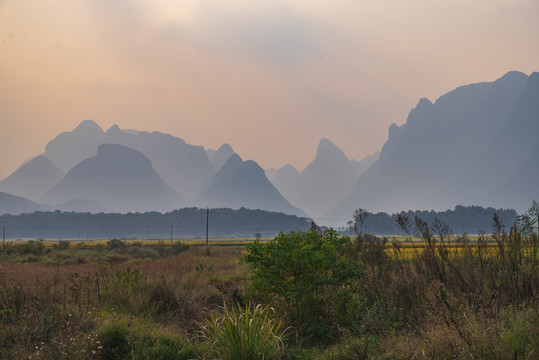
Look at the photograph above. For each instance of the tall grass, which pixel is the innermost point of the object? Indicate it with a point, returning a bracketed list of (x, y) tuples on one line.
[(248, 333)]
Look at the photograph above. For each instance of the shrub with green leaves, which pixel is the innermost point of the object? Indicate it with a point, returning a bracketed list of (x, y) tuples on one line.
[(246, 334), (114, 340), (303, 274)]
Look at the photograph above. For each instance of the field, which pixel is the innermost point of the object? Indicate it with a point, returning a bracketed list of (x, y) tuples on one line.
[(421, 299)]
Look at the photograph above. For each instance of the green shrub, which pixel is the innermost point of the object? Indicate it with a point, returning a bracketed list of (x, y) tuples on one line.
[(62, 245), (177, 248), (114, 341), (246, 334), (115, 244), (32, 247), (304, 274)]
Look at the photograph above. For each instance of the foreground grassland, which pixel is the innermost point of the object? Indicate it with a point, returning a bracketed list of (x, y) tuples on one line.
[(300, 296)]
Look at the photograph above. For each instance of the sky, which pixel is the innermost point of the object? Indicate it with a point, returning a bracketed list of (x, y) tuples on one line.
[(269, 77)]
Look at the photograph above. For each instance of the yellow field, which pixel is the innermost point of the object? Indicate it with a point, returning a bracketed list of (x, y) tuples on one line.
[(403, 248)]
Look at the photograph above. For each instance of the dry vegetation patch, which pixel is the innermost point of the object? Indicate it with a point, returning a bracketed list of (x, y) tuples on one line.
[(338, 297)]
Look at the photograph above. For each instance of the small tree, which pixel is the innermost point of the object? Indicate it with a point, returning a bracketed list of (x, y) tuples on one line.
[(359, 215), (529, 219), (304, 275)]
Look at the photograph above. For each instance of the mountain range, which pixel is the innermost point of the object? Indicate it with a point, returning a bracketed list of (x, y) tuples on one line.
[(125, 170), (475, 145), (118, 177), (244, 184), (324, 183), (32, 179)]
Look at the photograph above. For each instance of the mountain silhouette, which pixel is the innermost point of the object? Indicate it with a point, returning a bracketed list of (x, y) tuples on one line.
[(183, 166), (32, 179), (324, 182), (286, 180), (69, 148), (14, 205), (119, 178), (362, 165), (451, 152), (518, 188), (221, 156), (244, 184), (510, 160)]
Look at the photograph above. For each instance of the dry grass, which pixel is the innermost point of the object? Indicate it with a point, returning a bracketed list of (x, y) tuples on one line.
[(57, 311), (474, 299)]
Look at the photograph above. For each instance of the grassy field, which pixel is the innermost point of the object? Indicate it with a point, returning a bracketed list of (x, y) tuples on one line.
[(156, 300)]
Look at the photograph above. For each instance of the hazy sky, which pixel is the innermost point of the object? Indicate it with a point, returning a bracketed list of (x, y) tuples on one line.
[(270, 77)]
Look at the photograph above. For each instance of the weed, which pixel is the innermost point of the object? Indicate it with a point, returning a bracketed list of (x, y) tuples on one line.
[(246, 333)]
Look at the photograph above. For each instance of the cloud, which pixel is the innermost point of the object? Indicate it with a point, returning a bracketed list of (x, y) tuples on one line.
[(268, 31)]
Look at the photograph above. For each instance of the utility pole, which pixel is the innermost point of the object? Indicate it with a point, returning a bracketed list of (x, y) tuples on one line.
[(170, 234), (207, 222), (4, 235)]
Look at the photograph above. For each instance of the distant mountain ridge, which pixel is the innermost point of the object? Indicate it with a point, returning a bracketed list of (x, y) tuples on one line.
[(475, 145), (71, 147), (32, 179), (184, 167), (324, 182), (14, 205), (221, 156), (244, 184), (187, 169), (119, 178), (456, 151)]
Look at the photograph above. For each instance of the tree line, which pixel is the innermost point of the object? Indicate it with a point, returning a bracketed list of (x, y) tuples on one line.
[(182, 223), (462, 219)]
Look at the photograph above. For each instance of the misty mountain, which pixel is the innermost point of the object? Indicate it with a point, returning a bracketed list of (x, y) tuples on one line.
[(11, 204), (518, 188), (220, 156), (516, 142), (362, 165), (453, 151), (69, 148), (244, 184), (118, 178), (271, 172), (324, 182), (286, 180), (184, 167), (32, 179), (516, 148)]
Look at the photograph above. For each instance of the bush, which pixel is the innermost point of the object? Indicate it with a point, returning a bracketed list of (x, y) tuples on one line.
[(32, 247), (304, 274), (114, 341), (62, 245), (178, 247), (115, 244)]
